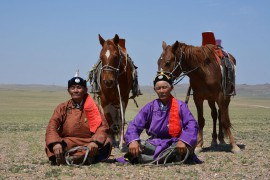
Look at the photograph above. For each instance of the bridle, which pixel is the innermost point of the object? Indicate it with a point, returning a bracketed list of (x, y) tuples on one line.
[(107, 67), (177, 79)]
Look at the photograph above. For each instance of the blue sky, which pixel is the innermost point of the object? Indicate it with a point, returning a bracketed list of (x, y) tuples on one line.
[(44, 42)]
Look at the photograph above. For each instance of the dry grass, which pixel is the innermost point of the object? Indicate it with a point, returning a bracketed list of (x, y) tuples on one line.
[(24, 114)]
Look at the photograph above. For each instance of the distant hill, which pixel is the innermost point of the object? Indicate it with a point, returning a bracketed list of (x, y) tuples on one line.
[(259, 90), (38, 87), (262, 90), (181, 89)]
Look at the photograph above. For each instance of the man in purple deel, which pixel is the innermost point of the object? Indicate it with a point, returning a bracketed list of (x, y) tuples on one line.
[(170, 125)]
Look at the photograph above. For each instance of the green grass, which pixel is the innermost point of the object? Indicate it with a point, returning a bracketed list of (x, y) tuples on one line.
[(25, 112)]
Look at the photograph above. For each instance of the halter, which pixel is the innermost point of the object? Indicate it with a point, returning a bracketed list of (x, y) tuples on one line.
[(176, 65)]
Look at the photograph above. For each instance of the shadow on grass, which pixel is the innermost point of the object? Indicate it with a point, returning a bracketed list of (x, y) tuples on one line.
[(110, 161), (222, 148)]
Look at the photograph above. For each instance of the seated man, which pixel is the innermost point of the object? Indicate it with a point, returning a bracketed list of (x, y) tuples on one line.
[(168, 122), (77, 122)]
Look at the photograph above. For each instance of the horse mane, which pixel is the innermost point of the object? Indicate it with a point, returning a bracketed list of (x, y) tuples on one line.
[(198, 54)]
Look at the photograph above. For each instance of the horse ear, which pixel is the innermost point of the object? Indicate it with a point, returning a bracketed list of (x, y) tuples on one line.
[(164, 45), (101, 40), (175, 46), (116, 39)]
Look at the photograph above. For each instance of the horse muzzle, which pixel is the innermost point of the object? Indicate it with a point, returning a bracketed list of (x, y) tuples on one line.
[(109, 83)]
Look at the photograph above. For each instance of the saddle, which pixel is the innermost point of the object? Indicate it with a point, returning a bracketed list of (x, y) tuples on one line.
[(227, 66)]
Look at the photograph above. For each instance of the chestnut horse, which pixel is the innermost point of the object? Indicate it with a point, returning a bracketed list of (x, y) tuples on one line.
[(201, 66), (115, 85)]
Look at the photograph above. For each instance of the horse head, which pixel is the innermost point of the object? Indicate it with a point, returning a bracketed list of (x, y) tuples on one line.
[(170, 61), (110, 57)]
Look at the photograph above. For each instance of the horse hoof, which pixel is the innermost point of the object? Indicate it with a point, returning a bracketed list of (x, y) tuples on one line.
[(198, 150), (236, 150), (222, 142), (214, 143)]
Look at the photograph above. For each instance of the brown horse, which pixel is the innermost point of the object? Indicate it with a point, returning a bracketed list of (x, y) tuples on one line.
[(115, 85), (201, 66)]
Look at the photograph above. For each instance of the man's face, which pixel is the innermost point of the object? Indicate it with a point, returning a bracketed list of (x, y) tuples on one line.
[(163, 90), (77, 92)]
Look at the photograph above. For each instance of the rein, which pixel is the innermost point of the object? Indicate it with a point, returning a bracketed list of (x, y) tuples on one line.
[(183, 74), (122, 113), (69, 161), (165, 154)]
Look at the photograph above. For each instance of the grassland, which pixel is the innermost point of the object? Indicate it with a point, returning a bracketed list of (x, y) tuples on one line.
[(25, 111)]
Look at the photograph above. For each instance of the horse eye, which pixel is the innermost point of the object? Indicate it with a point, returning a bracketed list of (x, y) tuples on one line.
[(167, 64)]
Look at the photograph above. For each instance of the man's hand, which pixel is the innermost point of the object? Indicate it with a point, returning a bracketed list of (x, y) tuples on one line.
[(93, 147), (134, 148), (58, 150), (181, 147)]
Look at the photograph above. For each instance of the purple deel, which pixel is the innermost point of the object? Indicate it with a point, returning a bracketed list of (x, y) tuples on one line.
[(155, 122)]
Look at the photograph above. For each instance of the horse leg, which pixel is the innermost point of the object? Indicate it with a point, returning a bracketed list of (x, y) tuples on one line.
[(214, 117), (225, 121), (220, 133), (201, 123), (111, 115), (112, 131), (122, 144)]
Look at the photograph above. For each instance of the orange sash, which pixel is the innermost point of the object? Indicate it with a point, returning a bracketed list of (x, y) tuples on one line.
[(174, 119), (92, 114)]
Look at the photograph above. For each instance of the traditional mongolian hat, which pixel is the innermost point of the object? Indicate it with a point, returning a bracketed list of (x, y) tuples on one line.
[(76, 80), (162, 77)]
